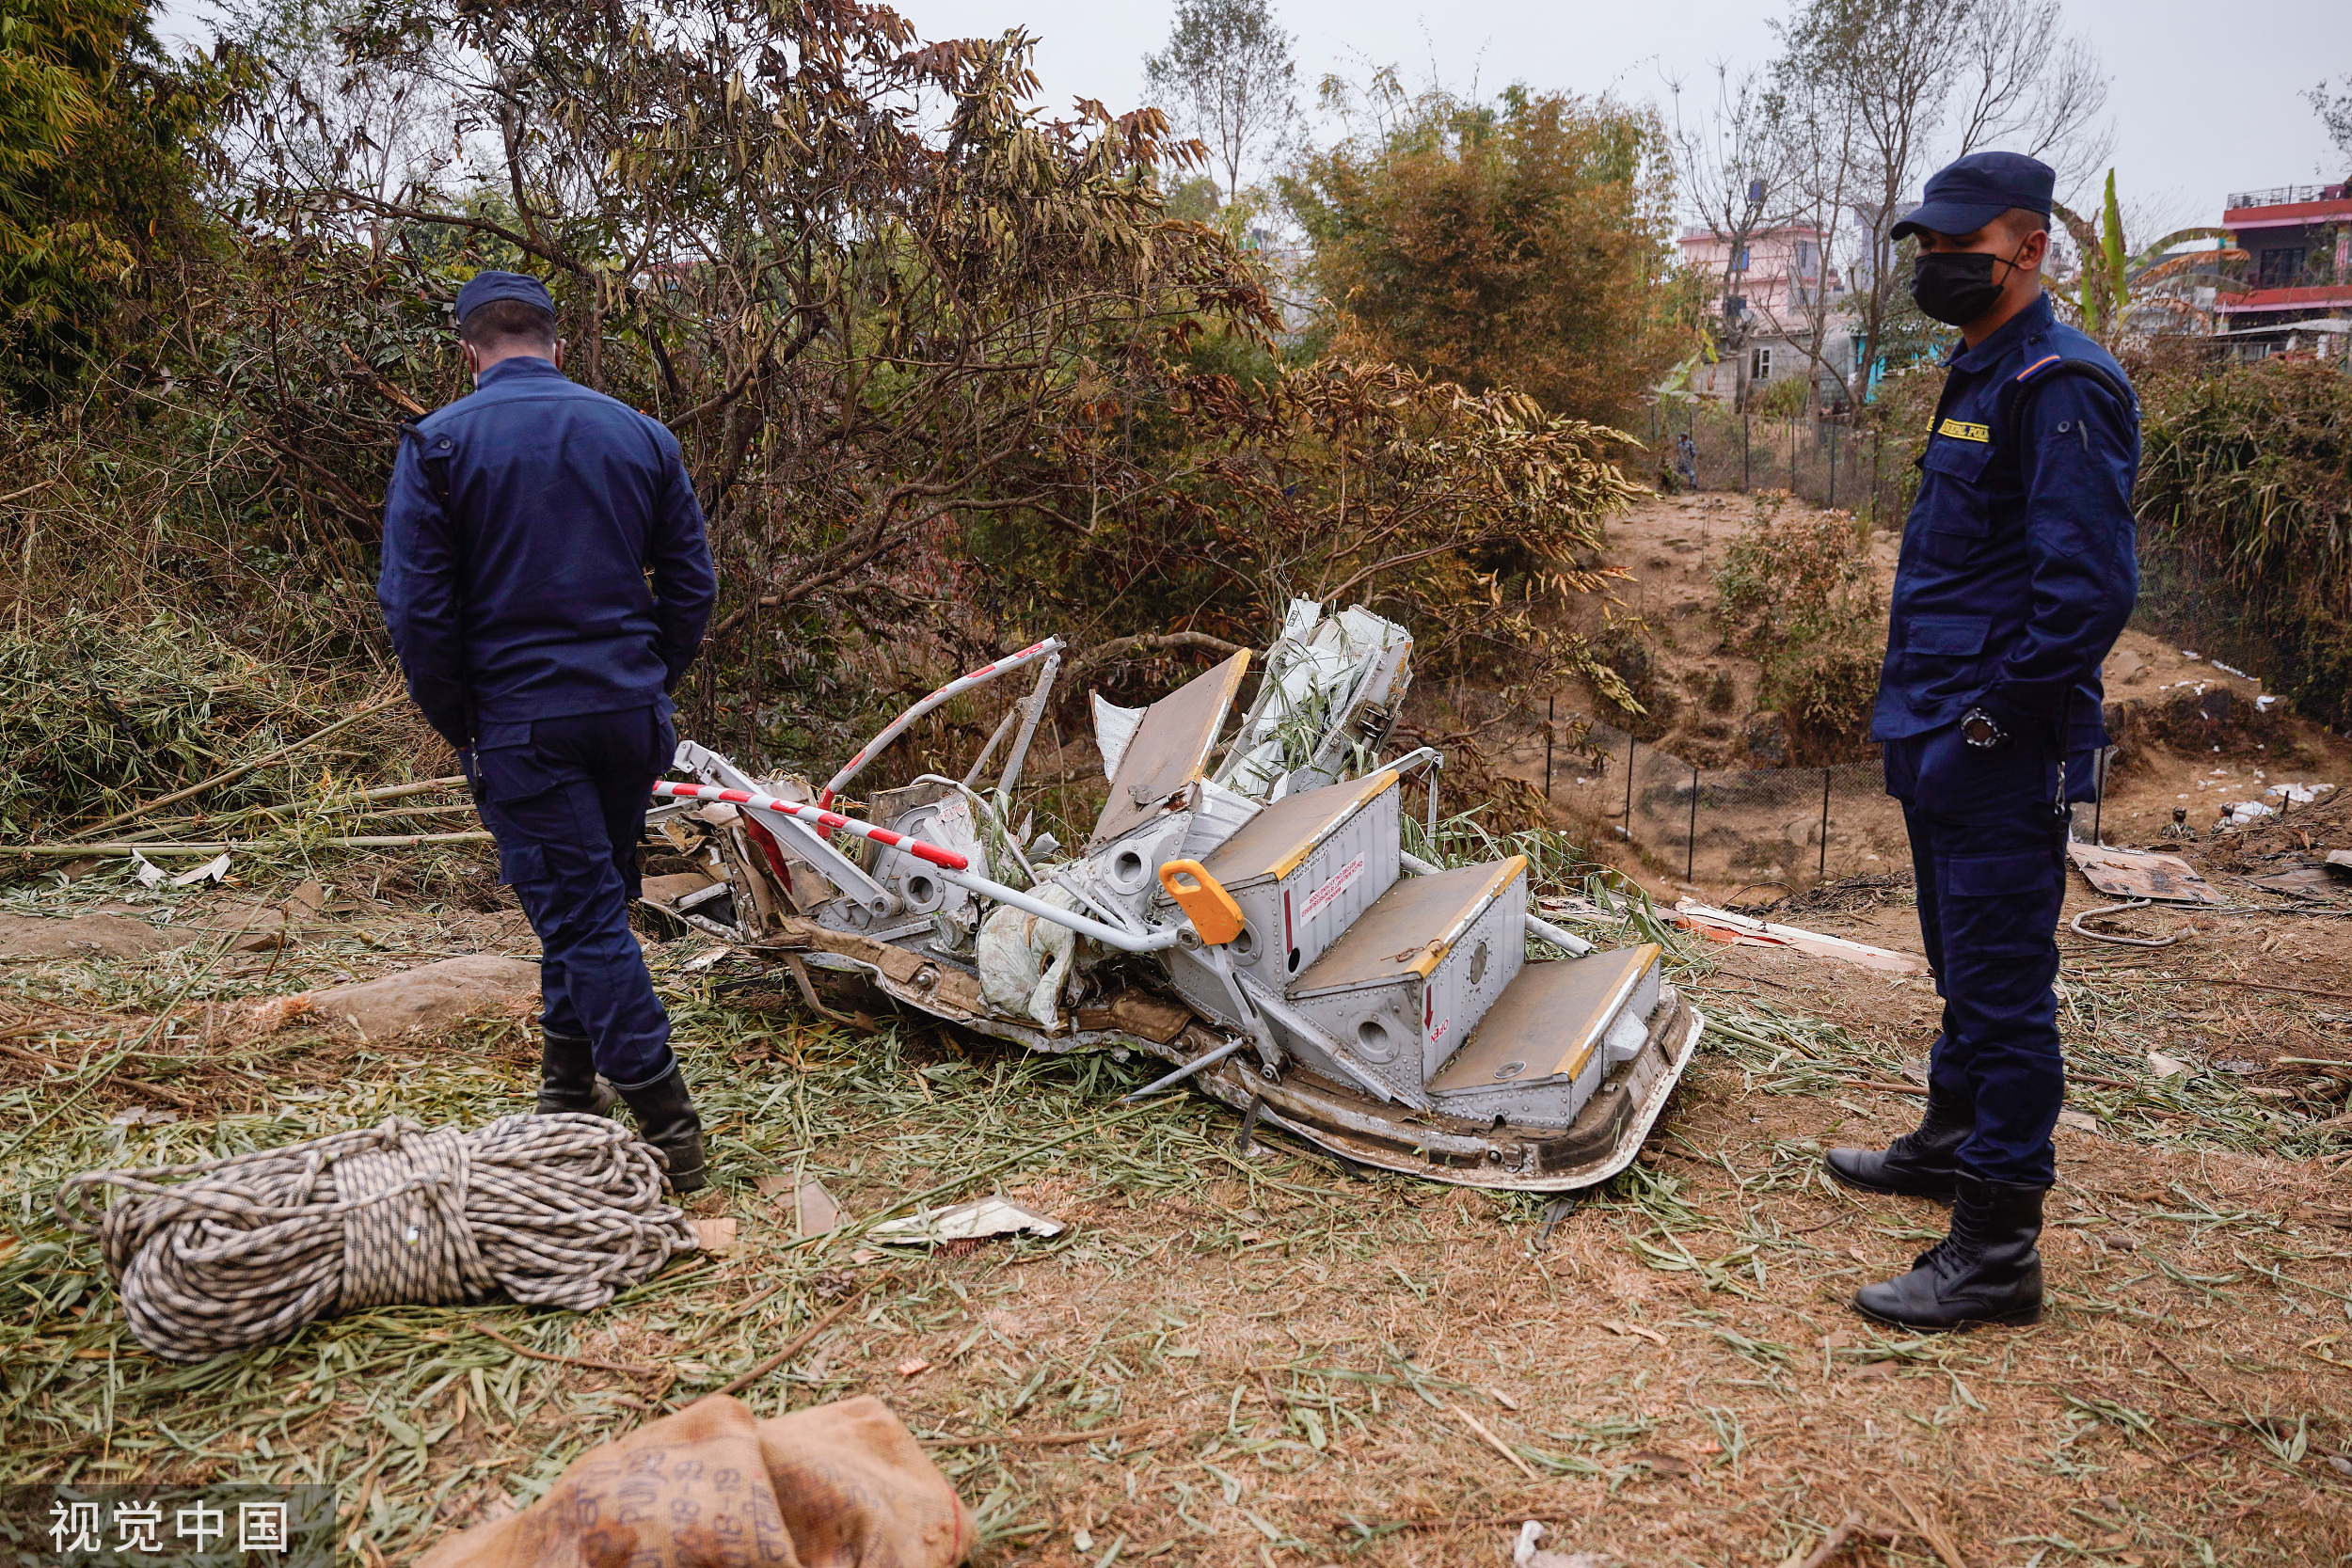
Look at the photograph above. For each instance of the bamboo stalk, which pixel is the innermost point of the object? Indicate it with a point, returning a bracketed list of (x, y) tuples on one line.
[(389, 792), (215, 847), (240, 770)]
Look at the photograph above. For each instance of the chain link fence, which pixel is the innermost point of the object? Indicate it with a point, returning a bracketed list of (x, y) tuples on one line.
[(1827, 462), (1726, 828)]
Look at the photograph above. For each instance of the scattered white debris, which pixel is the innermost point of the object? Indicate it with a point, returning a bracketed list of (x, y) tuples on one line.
[(2301, 795), (2188, 652), (1725, 926), (2227, 671), (2247, 811), (147, 871), (965, 1222), (210, 871), (2262, 704), (1526, 1552)]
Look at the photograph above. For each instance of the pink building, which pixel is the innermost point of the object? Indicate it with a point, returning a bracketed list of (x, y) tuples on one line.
[(1774, 288)]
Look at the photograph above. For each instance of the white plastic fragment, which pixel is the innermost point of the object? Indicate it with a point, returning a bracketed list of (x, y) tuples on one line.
[(965, 1221), (210, 871), (147, 871)]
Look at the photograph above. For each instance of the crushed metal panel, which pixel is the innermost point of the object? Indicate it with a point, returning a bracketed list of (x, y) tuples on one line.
[(2139, 874), (1168, 749)]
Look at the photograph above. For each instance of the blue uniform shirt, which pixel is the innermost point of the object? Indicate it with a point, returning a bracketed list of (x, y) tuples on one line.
[(519, 531), (2017, 569)]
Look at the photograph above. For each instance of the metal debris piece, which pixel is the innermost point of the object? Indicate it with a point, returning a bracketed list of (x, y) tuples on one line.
[(905, 893), (2141, 874)]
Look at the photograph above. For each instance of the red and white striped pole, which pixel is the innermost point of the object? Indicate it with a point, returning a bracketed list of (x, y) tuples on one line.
[(826, 820), (866, 753), (954, 867)]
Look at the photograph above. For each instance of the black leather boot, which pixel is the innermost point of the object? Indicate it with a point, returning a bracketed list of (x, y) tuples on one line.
[(1917, 1164), (567, 1078), (666, 1119), (1987, 1271)]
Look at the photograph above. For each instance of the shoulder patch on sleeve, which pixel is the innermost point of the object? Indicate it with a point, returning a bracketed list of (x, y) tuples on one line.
[(2045, 359)]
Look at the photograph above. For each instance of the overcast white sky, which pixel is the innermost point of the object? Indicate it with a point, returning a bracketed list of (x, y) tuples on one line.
[(2205, 98), (2204, 103)]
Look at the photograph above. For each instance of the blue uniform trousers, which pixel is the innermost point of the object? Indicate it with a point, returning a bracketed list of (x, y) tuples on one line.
[(566, 799), (1988, 854)]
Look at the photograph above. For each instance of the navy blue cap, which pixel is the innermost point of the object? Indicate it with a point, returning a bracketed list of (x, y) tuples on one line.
[(484, 287), (1968, 193)]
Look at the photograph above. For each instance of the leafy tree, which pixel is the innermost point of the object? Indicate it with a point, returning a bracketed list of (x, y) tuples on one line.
[(1350, 483), (2118, 281), (1227, 78), (1732, 168), (2335, 114), (1522, 242), (1871, 96), (95, 171)]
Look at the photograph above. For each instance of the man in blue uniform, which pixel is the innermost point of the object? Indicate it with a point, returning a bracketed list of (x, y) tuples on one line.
[(2016, 575), (519, 532)]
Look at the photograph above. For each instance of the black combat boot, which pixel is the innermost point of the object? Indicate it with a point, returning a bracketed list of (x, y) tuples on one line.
[(666, 1119), (1917, 1164), (1985, 1272), (567, 1077)]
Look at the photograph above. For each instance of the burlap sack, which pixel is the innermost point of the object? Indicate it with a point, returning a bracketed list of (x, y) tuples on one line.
[(710, 1487)]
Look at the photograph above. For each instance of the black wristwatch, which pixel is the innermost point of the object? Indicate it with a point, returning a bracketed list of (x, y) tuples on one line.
[(1977, 728)]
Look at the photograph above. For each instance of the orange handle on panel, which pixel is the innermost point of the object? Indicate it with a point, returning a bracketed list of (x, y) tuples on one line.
[(1204, 901)]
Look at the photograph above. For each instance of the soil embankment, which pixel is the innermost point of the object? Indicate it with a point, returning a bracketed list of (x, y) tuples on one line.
[(2189, 733)]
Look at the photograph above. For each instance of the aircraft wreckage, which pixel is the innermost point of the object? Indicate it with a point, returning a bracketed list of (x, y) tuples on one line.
[(1247, 914)]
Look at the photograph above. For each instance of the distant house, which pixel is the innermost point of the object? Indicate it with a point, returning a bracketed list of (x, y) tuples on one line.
[(1777, 293), (2298, 241)]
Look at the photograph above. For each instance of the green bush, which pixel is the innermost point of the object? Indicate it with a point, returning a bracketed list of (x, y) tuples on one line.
[(1797, 592), (2244, 503)]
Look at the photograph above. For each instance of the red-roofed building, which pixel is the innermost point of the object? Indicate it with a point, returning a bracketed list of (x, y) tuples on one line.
[(2298, 241)]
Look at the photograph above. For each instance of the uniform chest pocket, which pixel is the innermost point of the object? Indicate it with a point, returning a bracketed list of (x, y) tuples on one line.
[(1958, 520), (1963, 460)]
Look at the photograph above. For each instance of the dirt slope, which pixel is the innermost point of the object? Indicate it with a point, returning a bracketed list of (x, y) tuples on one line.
[(2189, 733)]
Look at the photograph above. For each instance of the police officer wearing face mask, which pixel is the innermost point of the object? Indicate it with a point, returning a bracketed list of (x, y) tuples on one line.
[(2016, 575), (521, 528)]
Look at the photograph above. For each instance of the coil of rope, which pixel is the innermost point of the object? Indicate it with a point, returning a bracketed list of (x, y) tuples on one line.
[(557, 1210)]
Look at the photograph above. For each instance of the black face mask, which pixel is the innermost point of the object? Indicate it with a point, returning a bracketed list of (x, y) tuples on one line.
[(1956, 287)]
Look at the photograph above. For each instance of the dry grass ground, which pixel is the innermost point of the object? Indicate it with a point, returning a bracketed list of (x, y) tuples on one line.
[(1253, 1358)]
